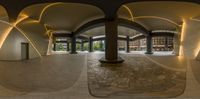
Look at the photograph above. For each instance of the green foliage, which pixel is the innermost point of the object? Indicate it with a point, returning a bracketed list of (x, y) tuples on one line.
[(60, 47), (85, 46)]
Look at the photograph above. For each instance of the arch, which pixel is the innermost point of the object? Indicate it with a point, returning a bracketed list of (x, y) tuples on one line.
[(121, 22), (25, 35), (132, 17), (189, 1), (67, 18), (3, 14), (156, 34)]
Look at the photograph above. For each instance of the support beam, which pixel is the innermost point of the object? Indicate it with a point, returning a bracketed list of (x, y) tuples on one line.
[(111, 51), (90, 44), (149, 44), (73, 45), (127, 44)]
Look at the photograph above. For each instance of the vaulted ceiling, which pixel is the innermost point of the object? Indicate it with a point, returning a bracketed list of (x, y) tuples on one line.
[(101, 31), (156, 15), (153, 15), (63, 16)]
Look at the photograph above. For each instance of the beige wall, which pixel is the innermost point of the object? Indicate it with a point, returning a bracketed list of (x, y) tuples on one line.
[(37, 34), (198, 57), (191, 39), (11, 49)]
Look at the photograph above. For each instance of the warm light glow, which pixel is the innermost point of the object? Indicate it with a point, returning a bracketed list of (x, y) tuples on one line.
[(129, 11), (197, 50), (140, 17), (50, 42), (156, 17), (8, 30), (22, 32), (194, 19), (45, 8), (33, 21), (181, 50), (144, 17), (183, 31), (182, 35)]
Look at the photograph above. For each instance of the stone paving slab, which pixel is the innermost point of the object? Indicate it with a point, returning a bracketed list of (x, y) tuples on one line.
[(137, 76)]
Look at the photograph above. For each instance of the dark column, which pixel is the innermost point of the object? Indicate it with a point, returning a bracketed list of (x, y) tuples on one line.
[(127, 44), (90, 44), (166, 43), (68, 46), (101, 45), (73, 45), (111, 51), (82, 45), (54, 44), (149, 44), (54, 47)]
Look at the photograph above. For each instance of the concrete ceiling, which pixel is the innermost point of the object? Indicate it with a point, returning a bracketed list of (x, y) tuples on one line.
[(98, 31), (63, 16), (70, 16), (3, 14), (175, 11)]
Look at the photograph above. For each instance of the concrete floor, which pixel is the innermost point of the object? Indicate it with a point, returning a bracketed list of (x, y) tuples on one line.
[(74, 74)]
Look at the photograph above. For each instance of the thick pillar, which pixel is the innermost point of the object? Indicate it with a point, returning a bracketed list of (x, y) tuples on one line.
[(73, 45), (101, 45), (54, 47), (127, 44), (149, 44), (90, 42), (82, 45), (166, 43), (68, 46), (111, 51)]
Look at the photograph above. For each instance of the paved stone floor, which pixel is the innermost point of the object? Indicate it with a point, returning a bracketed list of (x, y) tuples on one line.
[(79, 90), (137, 76)]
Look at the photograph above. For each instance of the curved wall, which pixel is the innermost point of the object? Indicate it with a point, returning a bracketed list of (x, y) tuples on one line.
[(191, 40), (11, 48)]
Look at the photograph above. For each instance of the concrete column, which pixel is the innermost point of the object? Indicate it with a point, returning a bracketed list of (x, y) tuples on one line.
[(149, 44), (73, 45), (54, 44), (90, 44), (166, 43), (54, 47), (101, 45), (68, 46), (127, 44), (111, 51), (82, 45)]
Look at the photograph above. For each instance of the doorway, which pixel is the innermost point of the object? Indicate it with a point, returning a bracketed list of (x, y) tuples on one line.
[(24, 51)]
